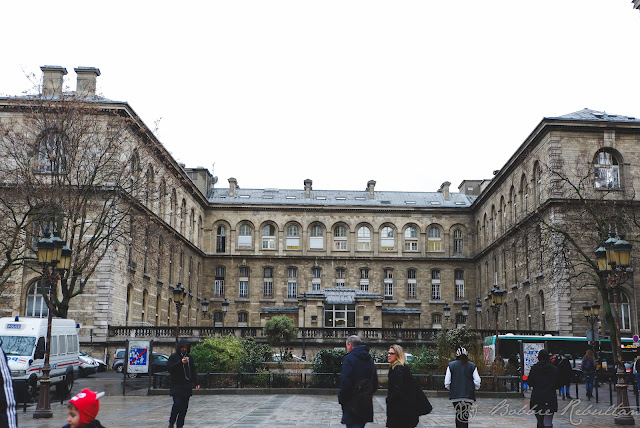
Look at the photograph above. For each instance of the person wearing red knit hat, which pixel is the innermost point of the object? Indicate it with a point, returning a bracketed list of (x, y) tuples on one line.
[(83, 409)]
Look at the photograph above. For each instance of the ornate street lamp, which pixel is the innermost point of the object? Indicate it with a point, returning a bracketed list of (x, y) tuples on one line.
[(613, 259), (225, 309), (465, 310), (478, 310), (446, 311), (495, 298), (592, 313), (304, 318), (55, 258), (178, 298)]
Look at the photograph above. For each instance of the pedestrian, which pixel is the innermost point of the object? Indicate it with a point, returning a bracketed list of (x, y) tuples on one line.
[(564, 372), (182, 377), (589, 371), (358, 383), (543, 378), (636, 372), (462, 381), (8, 417), (513, 369), (83, 409), (401, 409)]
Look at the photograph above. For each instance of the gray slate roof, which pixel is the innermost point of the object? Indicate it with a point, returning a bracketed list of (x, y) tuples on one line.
[(594, 115), (337, 198), (279, 309)]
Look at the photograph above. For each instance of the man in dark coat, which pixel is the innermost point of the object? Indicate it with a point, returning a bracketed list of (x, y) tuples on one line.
[(564, 373), (543, 378), (358, 374), (182, 377)]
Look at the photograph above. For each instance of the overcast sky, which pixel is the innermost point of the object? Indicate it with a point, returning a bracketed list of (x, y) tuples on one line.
[(407, 93)]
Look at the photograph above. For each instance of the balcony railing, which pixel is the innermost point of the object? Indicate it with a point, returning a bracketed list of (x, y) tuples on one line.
[(314, 334)]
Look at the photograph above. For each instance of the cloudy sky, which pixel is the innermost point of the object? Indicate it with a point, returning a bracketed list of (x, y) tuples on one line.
[(408, 93)]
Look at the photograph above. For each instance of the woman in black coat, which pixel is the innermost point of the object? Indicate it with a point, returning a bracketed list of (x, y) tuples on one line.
[(543, 378), (401, 408)]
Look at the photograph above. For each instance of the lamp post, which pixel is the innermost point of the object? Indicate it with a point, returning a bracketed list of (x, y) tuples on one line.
[(178, 299), (495, 297), (55, 258), (478, 310), (591, 313), (225, 309), (304, 318), (446, 311), (613, 259), (465, 311)]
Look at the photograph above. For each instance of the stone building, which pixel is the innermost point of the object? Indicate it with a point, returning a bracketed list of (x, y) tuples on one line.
[(362, 259)]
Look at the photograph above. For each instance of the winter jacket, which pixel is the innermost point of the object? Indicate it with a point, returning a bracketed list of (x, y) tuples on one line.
[(95, 424), (357, 365), (564, 372), (401, 405), (462, 380), (7, 398), (543, 378), (182, 377)]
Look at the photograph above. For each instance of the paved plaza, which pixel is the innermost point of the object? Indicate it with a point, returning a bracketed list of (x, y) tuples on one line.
[(271, 411)]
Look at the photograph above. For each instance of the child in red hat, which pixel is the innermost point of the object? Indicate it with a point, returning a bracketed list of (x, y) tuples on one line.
[(83, 409)]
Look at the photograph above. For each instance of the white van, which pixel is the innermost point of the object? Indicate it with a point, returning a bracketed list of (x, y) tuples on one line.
[(23, 341)]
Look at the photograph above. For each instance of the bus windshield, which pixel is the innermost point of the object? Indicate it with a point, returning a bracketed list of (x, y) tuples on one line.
[(17, 345)]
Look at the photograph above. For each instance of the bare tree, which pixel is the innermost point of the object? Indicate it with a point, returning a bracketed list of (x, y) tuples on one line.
[(76, 166)]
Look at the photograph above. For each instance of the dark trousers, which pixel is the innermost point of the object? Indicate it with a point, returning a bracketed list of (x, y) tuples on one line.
[(179, 410), (544, 420), (462, 413)]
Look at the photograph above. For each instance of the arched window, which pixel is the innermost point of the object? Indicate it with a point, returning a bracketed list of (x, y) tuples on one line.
[(183, 216), (527, 310), (269, 237), (543, 320), (293, 237), (364, 238), (516, 314), (36, 305), (387, 239), (340, 238), (128, 308), (316, 240), (411, 239), (607, 170), (221, 239), (625, 312), (458, 243), (435, 239), (244, 236)]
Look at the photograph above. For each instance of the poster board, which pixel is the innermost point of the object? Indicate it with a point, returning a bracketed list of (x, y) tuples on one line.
[(138, 356), (530, 352)]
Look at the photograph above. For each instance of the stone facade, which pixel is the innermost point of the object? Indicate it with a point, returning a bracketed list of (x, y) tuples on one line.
[(401, 255)]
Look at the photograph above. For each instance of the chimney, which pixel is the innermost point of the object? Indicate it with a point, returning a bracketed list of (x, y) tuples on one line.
[(233, 185), (444, 189), (371, 184), (307, 187), (86, 86), (52, 80)]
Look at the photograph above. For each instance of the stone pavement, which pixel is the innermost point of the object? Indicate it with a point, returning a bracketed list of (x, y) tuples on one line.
[(271, 411)]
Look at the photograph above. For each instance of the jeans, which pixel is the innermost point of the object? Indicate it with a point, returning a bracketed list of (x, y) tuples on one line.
[(588, 383), (179, 410), (544, 420), (462, 413), (637, 381), (356, 425)]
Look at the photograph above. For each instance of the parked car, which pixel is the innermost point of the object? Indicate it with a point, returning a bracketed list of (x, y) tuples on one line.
[(118, 360), (87, 365), (102, 366), (294, 358)]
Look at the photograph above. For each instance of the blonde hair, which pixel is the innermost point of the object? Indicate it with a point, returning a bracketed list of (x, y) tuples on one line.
[(400, 357)]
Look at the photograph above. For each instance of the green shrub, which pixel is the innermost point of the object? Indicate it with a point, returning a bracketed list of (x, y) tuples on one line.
[(279, 331), (254, 355), (218, 354), (424, 360), (328, 361)]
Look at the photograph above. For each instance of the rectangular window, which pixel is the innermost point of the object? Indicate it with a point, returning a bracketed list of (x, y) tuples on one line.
[(340, 316), (219, 282), (459, 279), (243, 289), (268, 243), (267, 287), (435, 285), (292, 289), (244, 241), (340, 277), (267, 284), (411, 289), (411, 245), (388, 289), (316, 281), (293, 242), (364, 279)]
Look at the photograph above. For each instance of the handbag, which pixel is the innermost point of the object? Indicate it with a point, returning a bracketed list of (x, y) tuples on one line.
[(422, 405)]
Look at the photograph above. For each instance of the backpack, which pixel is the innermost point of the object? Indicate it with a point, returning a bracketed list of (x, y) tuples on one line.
[(587, 365)]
